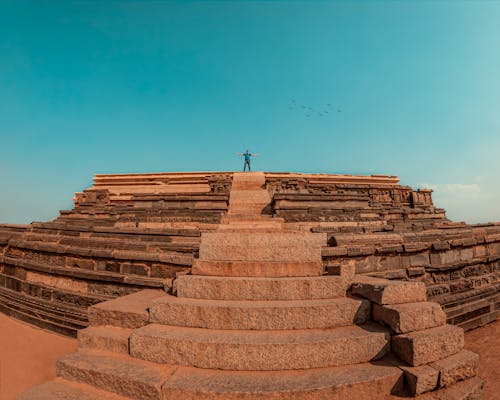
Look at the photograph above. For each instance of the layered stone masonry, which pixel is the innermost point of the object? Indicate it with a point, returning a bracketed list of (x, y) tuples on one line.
[(123, 235), (391, 231), (153, 345), (135, 231)]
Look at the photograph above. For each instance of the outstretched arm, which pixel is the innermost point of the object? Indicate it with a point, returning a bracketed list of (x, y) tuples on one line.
[(239, 154), (256, 154)]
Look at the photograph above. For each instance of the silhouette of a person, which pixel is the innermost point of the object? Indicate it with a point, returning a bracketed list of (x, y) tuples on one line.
[(247, 155)]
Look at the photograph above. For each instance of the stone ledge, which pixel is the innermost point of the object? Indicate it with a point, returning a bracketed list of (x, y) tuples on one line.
[(383, 291)]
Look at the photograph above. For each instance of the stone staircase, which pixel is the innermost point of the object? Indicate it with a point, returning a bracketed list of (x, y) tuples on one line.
[(258, 319)]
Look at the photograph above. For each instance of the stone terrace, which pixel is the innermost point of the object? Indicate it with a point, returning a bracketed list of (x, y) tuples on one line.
[(126, 233), (134, 231), (258, 319)]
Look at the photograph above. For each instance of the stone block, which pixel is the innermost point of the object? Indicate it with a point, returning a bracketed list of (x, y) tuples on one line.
[(129, 311), (259, 350), (428, 345), (122, 375), (415, 271), (457, 367), (409, 317), (107, 338), (372, 381), (382, 291), (64, 390), (420, 379), (257, 268), (262, 245), (260, 315), (249, 288), (470, 389), (420, 260)]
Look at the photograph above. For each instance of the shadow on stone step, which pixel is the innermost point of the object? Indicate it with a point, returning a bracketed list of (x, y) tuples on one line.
[(391, 361)]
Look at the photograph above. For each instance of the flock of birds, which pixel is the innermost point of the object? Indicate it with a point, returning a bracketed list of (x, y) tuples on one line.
[(326, 110)]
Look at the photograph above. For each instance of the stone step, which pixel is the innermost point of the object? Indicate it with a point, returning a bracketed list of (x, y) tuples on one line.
[(383, 291), (123, 375), (106, 338), (373, 381), (428, 345), (246, 288), (259, 350), (269, 269), (61, 389), (408, 317), (469, 389), (129, 311), (273, 245), (260, 315)]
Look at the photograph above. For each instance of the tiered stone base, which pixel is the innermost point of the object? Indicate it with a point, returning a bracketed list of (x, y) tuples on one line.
[(258, 319)]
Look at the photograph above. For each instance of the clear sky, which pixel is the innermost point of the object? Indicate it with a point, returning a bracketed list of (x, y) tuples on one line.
[(412, 88)]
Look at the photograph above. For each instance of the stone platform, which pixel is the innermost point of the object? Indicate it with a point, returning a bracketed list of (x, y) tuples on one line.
[(269, 326), (130, 232)]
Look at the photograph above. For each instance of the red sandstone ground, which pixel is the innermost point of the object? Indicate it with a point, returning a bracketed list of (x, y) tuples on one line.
[(28, 355), (486, 342)]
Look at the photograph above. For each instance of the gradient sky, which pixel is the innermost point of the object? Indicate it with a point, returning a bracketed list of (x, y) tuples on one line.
[(142, 86)]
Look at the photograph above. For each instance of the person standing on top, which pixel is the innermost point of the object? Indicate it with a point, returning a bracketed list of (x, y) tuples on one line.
[(247, 156)]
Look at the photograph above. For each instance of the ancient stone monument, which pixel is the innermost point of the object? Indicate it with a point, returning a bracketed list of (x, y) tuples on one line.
[(255, 286)]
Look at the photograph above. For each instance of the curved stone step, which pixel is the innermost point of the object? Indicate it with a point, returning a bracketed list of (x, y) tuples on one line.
[(122, 375), (107, 338), (247, 288), (259, 350), (259, 315), (130, 311), (361, 381), (61, 389)]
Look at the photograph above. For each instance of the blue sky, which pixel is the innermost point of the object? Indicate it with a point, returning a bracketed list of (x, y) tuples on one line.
[(141, 86)]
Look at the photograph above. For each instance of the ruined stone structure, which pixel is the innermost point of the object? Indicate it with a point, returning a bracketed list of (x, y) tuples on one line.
[(255, 286)]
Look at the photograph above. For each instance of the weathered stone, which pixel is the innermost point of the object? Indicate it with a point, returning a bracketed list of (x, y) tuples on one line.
[(126, 312), (264, 245), (258, 268), (108, 338), (428, 345), (122, 375), (420, 379), (409, 317), (259, 350), (383, 291), (457, 367), (65, 390), (361, 381), (260, 315), (249, 288)]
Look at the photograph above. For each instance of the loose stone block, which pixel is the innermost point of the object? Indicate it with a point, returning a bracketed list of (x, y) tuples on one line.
[(428, 345), (420, 379), (382, 291), (457, 367), (409, 317)]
